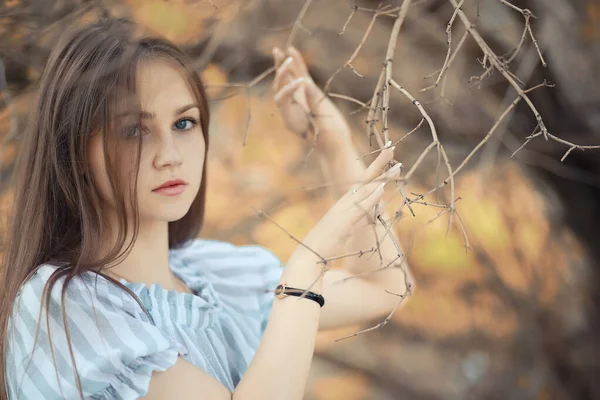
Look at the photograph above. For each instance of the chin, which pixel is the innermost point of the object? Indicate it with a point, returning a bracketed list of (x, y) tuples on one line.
[(172, 215), (168, 209), (163, 213), (162, 217)]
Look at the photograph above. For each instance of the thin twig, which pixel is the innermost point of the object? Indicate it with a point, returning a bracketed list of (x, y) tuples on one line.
[(360, 275), (518, 48), (493, 59), (521, 10), (297, 24), (436, 141), (349, 98), (388, 66), (402, 297), (464, 231), (324, 267), (459, 46), (300, 242), (348, 63), (448, 53), (359, 253), (377, 243), (414, 167), (486, 138), (528, 139), (354, 9), (537, 47), (248, 117), (372, 117)]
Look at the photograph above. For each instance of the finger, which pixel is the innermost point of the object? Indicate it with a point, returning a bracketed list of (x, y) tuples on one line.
[(374, 198), (365, 191), (362, 224), (287, 76), (283, 76), (286, 92), (299, 65), (313, 92), (278, 56), (379, 164), (284, 69), (365, 207), (390, 174)]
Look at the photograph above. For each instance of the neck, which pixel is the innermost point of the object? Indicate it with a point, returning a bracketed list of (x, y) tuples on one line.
[(148, 260)]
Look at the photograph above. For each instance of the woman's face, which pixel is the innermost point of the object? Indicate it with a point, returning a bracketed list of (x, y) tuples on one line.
[(172, 145)]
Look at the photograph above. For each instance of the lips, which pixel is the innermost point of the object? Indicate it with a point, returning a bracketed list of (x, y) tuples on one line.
[(169, 184), (171, 188)]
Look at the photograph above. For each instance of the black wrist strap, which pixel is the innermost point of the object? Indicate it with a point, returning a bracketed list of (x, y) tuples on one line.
[(283, 290)]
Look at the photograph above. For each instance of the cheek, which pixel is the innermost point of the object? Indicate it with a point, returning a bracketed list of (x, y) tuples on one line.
[(195, 154)]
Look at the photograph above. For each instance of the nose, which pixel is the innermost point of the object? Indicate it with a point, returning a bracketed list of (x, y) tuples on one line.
[(167, 154)]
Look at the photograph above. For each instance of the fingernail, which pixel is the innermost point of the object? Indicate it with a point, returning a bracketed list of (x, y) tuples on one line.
[(395, 168), (380, 187), (288, 60), (388, 143)]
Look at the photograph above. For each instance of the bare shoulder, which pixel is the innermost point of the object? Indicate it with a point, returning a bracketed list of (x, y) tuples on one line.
[(186, 382)]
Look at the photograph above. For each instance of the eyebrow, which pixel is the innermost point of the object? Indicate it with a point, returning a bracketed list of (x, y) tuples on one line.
[(180, 110)]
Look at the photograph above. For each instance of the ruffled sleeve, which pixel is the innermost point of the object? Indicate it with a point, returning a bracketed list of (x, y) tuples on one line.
[(243, 277), (114, 345)]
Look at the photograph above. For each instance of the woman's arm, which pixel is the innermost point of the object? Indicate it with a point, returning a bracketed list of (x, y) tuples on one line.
[(279, 369)]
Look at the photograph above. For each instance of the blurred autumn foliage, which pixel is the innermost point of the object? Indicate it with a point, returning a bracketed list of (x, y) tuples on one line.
[(516, 316)]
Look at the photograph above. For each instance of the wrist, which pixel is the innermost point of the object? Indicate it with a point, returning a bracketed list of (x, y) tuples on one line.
[(303, 264), (333, 141), (337, 152), (302, 255), (343, 166)]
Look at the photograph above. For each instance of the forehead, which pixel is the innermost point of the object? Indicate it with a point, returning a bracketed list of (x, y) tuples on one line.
[(161, 83)]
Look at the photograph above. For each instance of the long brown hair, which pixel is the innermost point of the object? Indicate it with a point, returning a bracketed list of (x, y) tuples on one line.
[(56, 216)]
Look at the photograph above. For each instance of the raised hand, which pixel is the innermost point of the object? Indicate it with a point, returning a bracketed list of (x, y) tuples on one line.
[(349, 212), (304, 107)]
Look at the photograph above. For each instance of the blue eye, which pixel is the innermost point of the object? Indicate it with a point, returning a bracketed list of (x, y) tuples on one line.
[(132, 131), (185, 124)]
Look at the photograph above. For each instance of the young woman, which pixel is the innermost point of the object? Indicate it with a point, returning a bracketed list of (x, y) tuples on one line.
[(107, 293)]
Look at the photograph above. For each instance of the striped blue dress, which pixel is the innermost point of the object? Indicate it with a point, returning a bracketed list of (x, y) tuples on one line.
[(116, 346)]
